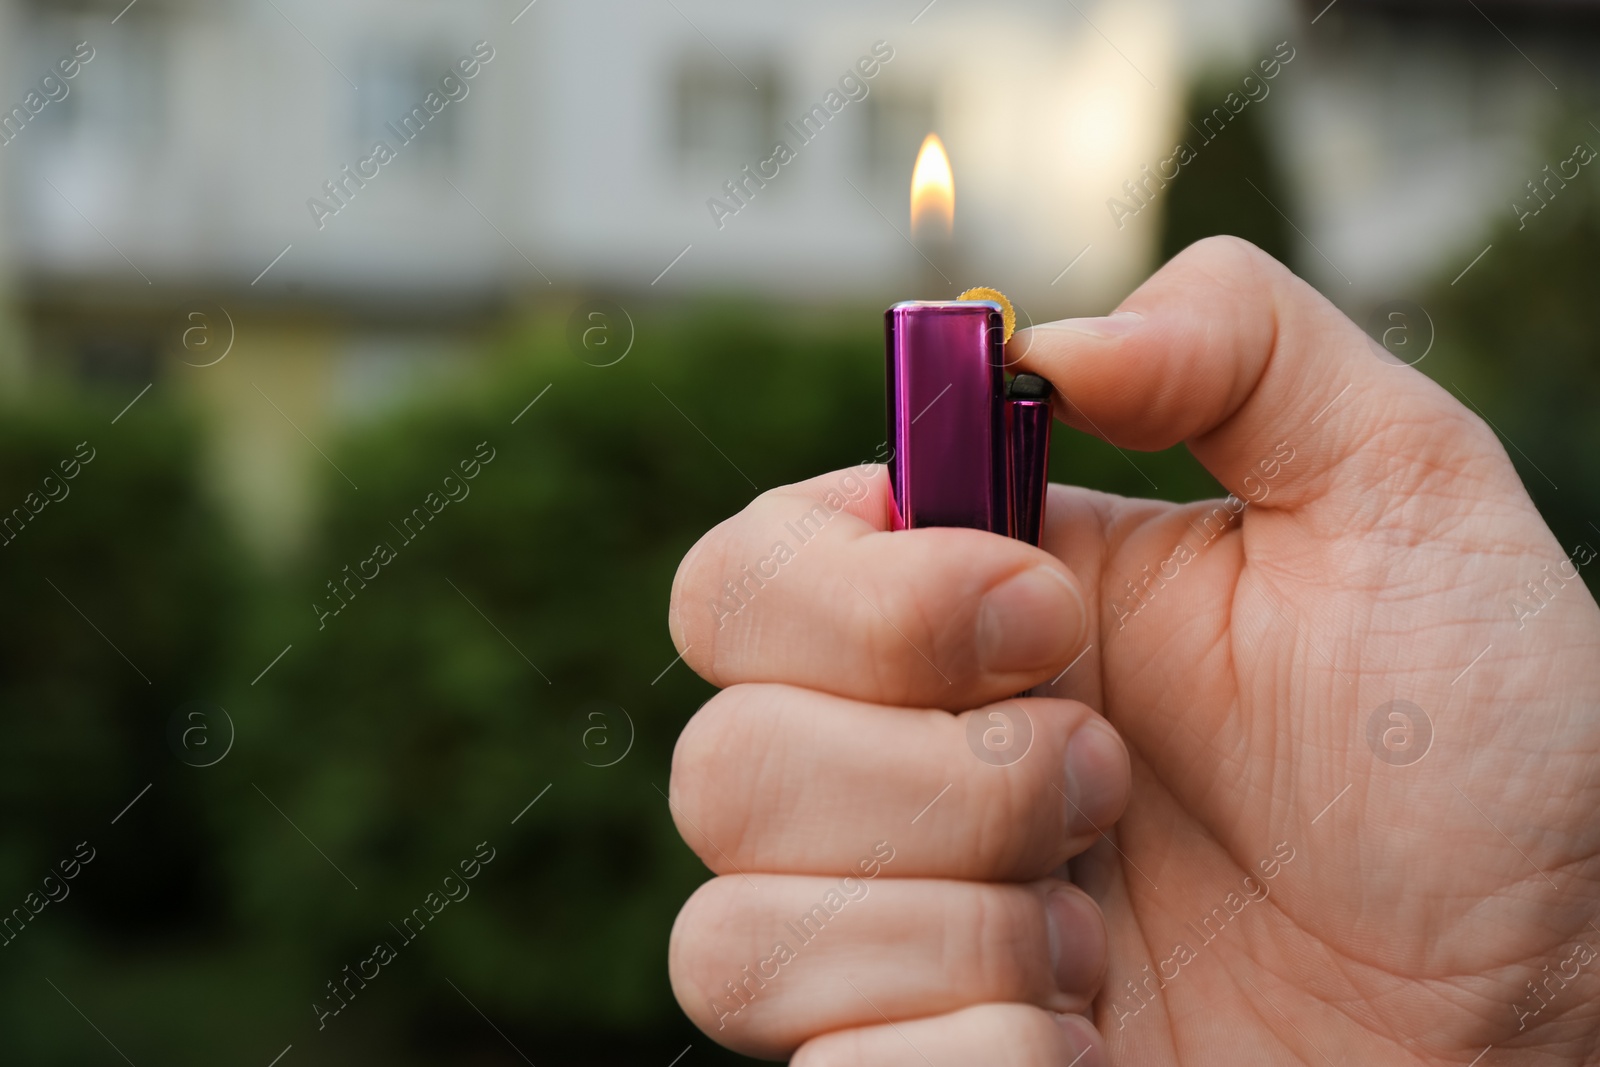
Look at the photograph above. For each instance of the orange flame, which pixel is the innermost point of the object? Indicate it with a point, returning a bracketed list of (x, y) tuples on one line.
[(933, 191)]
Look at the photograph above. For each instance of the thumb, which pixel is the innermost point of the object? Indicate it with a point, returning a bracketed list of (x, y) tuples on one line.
[(1225, 349)]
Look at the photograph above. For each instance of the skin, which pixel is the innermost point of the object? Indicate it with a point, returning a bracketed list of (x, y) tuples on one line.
[(1349, 882)]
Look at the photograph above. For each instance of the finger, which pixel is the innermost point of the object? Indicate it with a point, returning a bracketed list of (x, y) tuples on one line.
[(1225, 349), (807, 586), (764, 963), (1013, 1034), (784, 780)]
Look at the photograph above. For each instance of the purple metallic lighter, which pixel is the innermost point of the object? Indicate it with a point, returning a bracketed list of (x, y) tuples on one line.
[(968, 450)]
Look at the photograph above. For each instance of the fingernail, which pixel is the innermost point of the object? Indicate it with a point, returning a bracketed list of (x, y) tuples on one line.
[(1104, 326), (1097, 777), (1030, 621), (1077, 941), (1083, 1041)]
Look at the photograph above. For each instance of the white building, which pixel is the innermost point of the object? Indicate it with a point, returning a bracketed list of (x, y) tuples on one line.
[(183, 167)]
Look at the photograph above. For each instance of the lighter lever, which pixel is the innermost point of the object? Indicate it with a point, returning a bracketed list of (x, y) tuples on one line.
[(969, 449)]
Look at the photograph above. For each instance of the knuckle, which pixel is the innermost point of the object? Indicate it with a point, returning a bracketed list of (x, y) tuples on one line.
[(693, 602), (716, 758), (951, 627), (999, 930), (1019, 818), (694, 947), (881, 627), (914, 639), (722, 576), (1233, 263), (1027, 829), (710, 594), (1000, 816)]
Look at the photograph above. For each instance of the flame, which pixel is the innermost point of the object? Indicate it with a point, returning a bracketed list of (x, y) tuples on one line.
[(933, 191)]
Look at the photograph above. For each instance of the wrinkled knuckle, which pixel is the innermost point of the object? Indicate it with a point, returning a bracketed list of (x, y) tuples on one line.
[(697, 592), (883, 622), (1000, 816), (996, 931), (919, 644), (693, 948), (712, 763), (1018, 817), (1003, 850), (708, 734), (952, 634), (1035, 827), (687, 788)]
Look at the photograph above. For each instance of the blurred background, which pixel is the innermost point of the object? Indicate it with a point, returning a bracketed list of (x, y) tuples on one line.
[(341, 489)]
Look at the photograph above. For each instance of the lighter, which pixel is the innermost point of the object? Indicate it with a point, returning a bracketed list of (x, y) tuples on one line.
[(969, 448)]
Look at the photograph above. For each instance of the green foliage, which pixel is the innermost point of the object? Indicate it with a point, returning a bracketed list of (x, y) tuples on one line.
[(459, 682), (400, 732), (121, 595)]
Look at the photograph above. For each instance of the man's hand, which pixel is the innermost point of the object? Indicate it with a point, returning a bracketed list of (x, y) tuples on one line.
[(1360, 698)]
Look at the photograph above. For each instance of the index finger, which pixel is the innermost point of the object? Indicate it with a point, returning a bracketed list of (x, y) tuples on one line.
[(808, 586)]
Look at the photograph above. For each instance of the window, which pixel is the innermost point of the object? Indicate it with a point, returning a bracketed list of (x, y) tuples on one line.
[(390, 107), (118, 98), (722, 121)]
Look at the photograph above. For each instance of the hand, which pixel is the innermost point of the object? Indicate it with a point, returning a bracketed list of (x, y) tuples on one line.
[(882, 889), (1307, 871)]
